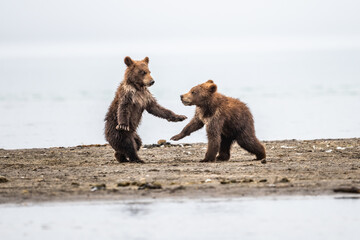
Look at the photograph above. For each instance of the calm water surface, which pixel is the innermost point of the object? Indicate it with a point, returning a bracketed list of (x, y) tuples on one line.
[(62, 101), (262, 218)]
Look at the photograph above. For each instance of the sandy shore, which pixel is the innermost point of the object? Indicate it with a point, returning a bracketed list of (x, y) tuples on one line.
[(314, 167)]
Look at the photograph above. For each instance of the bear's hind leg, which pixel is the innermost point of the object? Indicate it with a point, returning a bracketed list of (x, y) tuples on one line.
[(251, 144), (130, 147), (120, 157), (225, 146), (137, 141)]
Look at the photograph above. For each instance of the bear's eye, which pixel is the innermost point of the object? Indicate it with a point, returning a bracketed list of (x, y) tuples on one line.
[(193, 92), (143, 72)]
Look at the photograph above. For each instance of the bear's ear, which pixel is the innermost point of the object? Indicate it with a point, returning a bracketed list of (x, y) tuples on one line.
[(210, 81), (146, 59), (212, 88), (128, 61)]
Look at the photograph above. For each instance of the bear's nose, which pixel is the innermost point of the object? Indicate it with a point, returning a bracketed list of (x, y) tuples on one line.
[(152, 82), (181, 97)]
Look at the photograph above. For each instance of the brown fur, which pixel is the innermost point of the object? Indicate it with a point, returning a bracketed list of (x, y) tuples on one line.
[(227, 120), (123, 117)]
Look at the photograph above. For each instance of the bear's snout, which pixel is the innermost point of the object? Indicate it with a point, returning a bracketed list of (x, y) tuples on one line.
[(185, 100)]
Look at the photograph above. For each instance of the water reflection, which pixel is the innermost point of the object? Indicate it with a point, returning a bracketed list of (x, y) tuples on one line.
[(136, 209)]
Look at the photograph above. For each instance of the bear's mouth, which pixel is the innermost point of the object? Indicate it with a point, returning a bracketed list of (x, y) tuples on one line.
[(149, 84), (186, 103)]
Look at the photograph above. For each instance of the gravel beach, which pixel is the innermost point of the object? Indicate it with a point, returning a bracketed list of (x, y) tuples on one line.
[(292, 167)]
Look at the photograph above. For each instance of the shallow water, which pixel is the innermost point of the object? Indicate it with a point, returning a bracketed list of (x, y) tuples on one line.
[(244, 218), (61, 101)]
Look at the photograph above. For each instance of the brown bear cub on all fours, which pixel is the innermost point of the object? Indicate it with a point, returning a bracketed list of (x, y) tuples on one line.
[(227, 120), (123, 117)]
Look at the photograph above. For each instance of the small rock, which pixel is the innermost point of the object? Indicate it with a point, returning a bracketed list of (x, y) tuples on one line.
[(286, 147), (149, 146), (224, 181), (154, 170), (75, 184), (263, 180), (284, 180), (247, 180), (3, 179), (123, 184), (227, 181), (263, 161), (150, 186), (98, 187), (161, 142), (207, 180)]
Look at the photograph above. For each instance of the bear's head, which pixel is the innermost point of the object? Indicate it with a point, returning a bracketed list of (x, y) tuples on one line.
[(200, 94), (137, 73)]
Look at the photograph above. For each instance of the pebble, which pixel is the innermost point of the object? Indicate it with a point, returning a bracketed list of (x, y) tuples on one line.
[(340, 148), (98, 187), (284, 180), (3, 179), (161, 142), (247, 180), (286, 147), (263, 161), (150, 186), (123, 184), (224, 181)]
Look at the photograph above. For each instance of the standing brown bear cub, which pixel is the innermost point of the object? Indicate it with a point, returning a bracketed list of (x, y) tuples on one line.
[(227, 120), (123, 117)]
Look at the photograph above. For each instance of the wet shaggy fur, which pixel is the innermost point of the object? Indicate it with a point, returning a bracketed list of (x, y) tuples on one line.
[(123, 117), (227, 120)]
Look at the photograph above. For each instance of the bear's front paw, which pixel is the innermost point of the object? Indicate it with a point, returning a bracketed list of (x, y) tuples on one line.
[(181, 117), (123, 127), (177, 118), (177, 137)]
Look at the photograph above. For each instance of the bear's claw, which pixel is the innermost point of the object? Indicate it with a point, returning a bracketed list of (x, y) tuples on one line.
[(122, 127)]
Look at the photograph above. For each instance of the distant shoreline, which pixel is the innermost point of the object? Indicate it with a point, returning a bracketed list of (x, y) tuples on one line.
[(90, 172)]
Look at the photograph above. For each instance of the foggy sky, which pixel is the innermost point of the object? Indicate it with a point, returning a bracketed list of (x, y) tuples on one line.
[(43, 28), (92, 20)]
